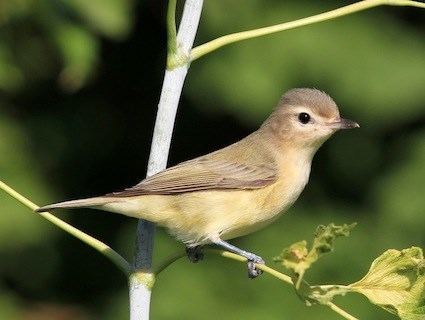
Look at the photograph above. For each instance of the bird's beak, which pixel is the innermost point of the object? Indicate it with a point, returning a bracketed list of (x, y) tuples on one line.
[(343, 124)]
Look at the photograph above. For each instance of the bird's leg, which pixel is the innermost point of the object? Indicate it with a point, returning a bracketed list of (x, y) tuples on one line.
[(253, 272), (195, 253)]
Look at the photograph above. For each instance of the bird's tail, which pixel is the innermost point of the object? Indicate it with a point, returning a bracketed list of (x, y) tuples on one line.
[(74, 204)]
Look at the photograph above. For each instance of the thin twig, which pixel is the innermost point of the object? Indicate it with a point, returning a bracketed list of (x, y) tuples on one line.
[(215, 44), (341, 312), (263, 267), (103, 248), (169, 261)]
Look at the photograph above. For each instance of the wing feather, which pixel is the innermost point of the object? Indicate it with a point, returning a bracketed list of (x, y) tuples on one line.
[(204, 173)]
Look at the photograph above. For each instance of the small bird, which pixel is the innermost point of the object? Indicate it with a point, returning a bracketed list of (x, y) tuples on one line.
[(236, 190)]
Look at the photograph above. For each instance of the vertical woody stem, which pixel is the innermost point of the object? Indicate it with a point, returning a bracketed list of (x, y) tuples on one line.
[(142, 278)]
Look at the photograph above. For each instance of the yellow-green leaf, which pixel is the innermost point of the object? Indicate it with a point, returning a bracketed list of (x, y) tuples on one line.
[(396, 283), (298, 258)]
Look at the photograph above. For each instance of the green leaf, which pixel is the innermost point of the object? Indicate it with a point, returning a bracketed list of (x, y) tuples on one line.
[(396, 283), (325, 237), (298, 258), (295, 257)]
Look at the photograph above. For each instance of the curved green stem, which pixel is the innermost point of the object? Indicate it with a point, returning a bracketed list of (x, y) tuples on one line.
[(168, 261), (103, 248), (215, 44)]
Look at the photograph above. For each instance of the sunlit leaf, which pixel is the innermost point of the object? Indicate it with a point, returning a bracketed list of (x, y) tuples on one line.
[(396, 282)]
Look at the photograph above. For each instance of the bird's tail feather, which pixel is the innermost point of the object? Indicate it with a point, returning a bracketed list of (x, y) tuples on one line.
[(74, 204)]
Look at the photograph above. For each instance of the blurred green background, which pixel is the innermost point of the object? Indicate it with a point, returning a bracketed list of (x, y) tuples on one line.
[(79, 86)]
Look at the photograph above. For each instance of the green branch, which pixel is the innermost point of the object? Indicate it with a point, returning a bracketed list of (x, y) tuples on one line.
[(226, 254), (104, 249), (215, 44), (341, 312)]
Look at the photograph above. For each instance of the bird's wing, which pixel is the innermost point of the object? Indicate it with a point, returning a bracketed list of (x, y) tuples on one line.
[(204, 174)]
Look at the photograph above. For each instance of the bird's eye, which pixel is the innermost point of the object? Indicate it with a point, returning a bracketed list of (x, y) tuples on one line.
[(304, 117)]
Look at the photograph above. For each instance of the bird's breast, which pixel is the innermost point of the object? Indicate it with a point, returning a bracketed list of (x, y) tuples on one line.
[(293, 175), (265, 205)]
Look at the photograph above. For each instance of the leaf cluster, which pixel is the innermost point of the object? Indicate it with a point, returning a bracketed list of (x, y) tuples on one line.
[(395, 280)]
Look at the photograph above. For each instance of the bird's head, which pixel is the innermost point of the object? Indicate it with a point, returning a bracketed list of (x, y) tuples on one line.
[(305, 118)]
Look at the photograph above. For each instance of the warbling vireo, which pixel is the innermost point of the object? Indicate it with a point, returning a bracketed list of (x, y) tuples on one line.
[(238, 189)]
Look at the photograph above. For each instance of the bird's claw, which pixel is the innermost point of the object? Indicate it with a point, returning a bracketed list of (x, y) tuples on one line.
[(253, 271), (194, 254)]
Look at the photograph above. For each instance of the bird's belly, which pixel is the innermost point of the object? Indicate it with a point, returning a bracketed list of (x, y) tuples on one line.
[(242, 229), (229, 214)]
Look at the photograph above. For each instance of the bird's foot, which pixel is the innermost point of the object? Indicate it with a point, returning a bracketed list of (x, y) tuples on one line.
[(253, 259), (195, 254), (253, 271)]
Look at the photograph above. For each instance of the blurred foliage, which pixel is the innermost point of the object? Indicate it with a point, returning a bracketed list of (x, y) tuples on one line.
[(79, 85), (340, 55), (64, 34)]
